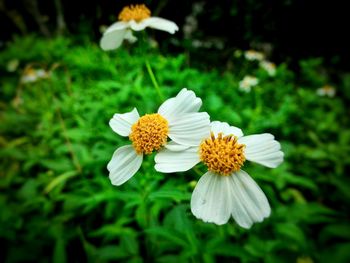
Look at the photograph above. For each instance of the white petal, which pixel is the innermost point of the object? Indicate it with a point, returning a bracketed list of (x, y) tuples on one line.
[(175, 147), (120, 25), (169, 162), (184, 102), (250, 204), (218, 126), (121, 123), (211, 199), (124, 164), (190, 128), (130, 37), (156, 23), (262, 149), (112, 39)]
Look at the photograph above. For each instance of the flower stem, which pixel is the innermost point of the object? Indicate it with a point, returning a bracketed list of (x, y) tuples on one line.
[(154, 80)]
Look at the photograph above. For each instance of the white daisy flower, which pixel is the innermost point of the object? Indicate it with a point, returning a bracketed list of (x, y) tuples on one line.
[(253, 55), (326, 90), (177, 118), (32, 75), (269, 67), (225, 190), (137, 18), (29, 76), (247, 83)]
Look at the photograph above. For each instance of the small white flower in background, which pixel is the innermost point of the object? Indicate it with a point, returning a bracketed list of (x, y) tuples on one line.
[(198, 8), (137, 18), (225, 190), (247, 83), (269, 67), (29, 75), (254, 55), (190, 26), (177, 118), (32, 75), (326, 90), (41, 74), (191, 21)]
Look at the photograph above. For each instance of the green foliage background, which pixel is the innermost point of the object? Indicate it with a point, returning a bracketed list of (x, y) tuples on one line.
[(58, 205)]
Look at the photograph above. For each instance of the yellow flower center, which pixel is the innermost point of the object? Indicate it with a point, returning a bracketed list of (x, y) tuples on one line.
[(134, 12), (222, 155), (29, 72), (149, 133)]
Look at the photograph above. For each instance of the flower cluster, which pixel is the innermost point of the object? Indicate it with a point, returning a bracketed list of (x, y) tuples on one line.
[(225, 190), (258, 59)]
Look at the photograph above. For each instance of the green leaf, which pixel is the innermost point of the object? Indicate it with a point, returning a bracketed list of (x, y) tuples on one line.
[(61, 179)]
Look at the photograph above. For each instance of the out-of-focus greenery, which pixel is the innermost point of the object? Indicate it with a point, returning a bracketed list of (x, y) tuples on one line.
[(57, 203)]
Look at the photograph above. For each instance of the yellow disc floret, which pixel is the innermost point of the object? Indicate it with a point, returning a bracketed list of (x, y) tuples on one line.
[(149, 133), (134, 12), (222, 155)]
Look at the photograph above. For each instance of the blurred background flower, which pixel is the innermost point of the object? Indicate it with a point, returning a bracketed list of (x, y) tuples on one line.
[(247, 83), (136, 18), (31, 74), (254, 55), (326, 90), (269, 67)]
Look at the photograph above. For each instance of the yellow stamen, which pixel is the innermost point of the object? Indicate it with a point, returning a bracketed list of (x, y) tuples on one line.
[(222, 155), (134, 12), (29, 72), (149, 133)]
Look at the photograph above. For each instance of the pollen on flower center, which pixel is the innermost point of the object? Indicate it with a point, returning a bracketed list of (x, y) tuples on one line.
[(149, 133), (134, 12), (222, 155)]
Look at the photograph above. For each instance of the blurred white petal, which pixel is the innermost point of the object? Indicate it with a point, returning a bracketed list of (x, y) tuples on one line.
[(117, 26), (156, 23), (112, 39), (130, 37)]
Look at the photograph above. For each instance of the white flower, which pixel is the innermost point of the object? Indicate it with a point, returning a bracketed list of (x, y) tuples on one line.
[(247, 83), (225, 190), (32, 75), (177, 118), (190, 26), (137, 18), (253, 55), (269, 67), (326, 90), (29, 76)]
